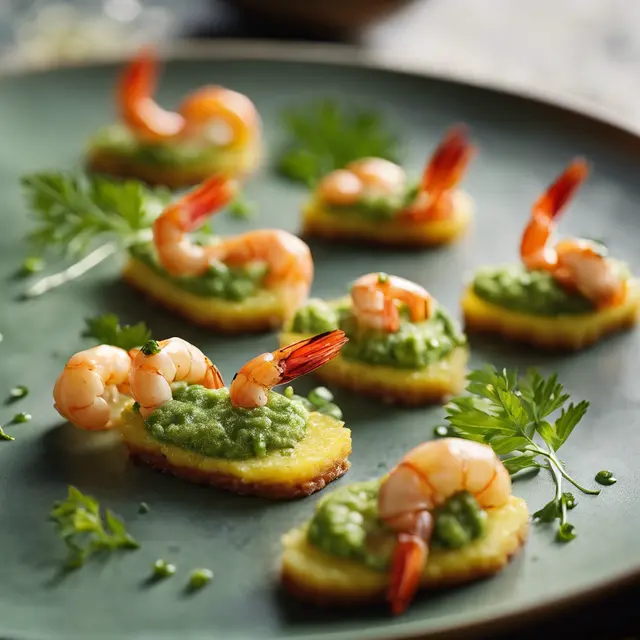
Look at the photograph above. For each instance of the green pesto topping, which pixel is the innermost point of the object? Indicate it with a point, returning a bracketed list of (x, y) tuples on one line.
[(346, 524), (377, 207), (415, 346), (220, 281), (532, 292), (117, 139), (151, 348), (204, 421)]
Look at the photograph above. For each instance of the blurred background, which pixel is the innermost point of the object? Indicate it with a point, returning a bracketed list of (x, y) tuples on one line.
[(584, 50)]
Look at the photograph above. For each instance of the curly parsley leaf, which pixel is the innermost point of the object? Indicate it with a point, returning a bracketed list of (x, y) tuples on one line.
[(324, 137), (515, 416), (106, 329), (79, 524)]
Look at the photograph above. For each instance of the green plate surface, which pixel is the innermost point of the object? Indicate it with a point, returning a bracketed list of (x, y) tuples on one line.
[(46, 118)]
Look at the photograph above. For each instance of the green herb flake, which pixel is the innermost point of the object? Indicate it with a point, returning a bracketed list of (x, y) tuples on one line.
[(200, 578), (21, 418), (18, 392), (241, 208), (383, 278), (32, 265), (605, 478), (106, 329), (163, 569), (442, 431), (5, 436), (151, 348)]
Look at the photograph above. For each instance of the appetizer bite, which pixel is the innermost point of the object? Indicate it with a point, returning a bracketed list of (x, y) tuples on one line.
[(403, 346), (563, 295), (170, 404), (444, 516), (215, 131), (370, 200), (249, 282)]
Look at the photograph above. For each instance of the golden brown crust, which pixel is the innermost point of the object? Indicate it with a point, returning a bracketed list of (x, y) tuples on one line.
[(235, 484)]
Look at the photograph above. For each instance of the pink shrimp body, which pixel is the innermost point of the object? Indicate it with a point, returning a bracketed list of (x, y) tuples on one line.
[(425, 478), (574, 263), (377, 297), (154, 369), (211, 114), (251, 385), (88, 387)]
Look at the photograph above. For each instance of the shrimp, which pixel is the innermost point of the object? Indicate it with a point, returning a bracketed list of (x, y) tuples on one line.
[(89, 386), (425, 478), (177, 254), (250, 386), (576, 264), (288, 259), (441, 175), (376, 300), (212, 114), (158, 364)]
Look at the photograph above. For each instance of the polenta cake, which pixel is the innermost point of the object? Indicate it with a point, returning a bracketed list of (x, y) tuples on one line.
[(403, 346), (562, 296), (252, 282), (178, 416), (443, 516), (216, 131), (371, 200)]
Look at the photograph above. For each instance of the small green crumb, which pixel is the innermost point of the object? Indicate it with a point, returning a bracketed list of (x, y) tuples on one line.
[(5, 436), (143, 508), (605, 478), (18, 392), (151, 348), (32, 265), (20, 418), (163, 569), (200, 578), (241, 208)]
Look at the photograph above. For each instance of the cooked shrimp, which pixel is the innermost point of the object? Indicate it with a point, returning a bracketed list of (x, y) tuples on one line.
[(89, 386), (211, 114), (158, 364), (442, 174), (288, 259), (425, 478), (176, 252), (576, 264), (250, 386), (377, 298)]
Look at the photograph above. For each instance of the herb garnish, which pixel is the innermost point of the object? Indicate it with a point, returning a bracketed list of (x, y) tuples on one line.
[(319, 399), (106, 329), (20, 418), (512, 415), (78, 522), (605, 478), (322, 137), (240, 207), (75, 212), (200, 578), (17, 393), (163, 569), (5, 436)]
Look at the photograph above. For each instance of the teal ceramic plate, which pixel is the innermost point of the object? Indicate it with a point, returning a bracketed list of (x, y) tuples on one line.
[(45, 119)]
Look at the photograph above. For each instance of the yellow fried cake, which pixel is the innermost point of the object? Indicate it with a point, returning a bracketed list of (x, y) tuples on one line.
[(215, 132), (370, 200), (359, 547), (418, 362)]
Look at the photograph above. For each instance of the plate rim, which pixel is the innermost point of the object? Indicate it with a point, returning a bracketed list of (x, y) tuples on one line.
[(398, 63)]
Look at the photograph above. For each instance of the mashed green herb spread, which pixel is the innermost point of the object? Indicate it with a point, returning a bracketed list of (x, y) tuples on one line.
[(532, 292), (414, 346), (220, 281), (117, 139), (381, 207), (204, 421), (346, 524)]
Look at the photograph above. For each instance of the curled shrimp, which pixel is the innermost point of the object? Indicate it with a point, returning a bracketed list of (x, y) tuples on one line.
[(250, 386), (576, 264), (378, 177), (212, 114), (425, 478), (89, 386), (158, 364), (176, 252), (377, 298)]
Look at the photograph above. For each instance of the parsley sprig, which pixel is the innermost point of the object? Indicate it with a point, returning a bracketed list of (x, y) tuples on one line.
[(87, 219), (106, 329), (324, 137), (80, 525), (514, 417)]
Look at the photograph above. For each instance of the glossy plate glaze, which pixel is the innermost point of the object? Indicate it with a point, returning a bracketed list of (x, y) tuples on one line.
[(46, 118)]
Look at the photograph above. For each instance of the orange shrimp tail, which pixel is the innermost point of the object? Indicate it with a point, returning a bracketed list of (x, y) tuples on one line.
[(409, 559), (448, 163), (135, 100), (207, 199), (213, 378), (551, 203), (304, 356)]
